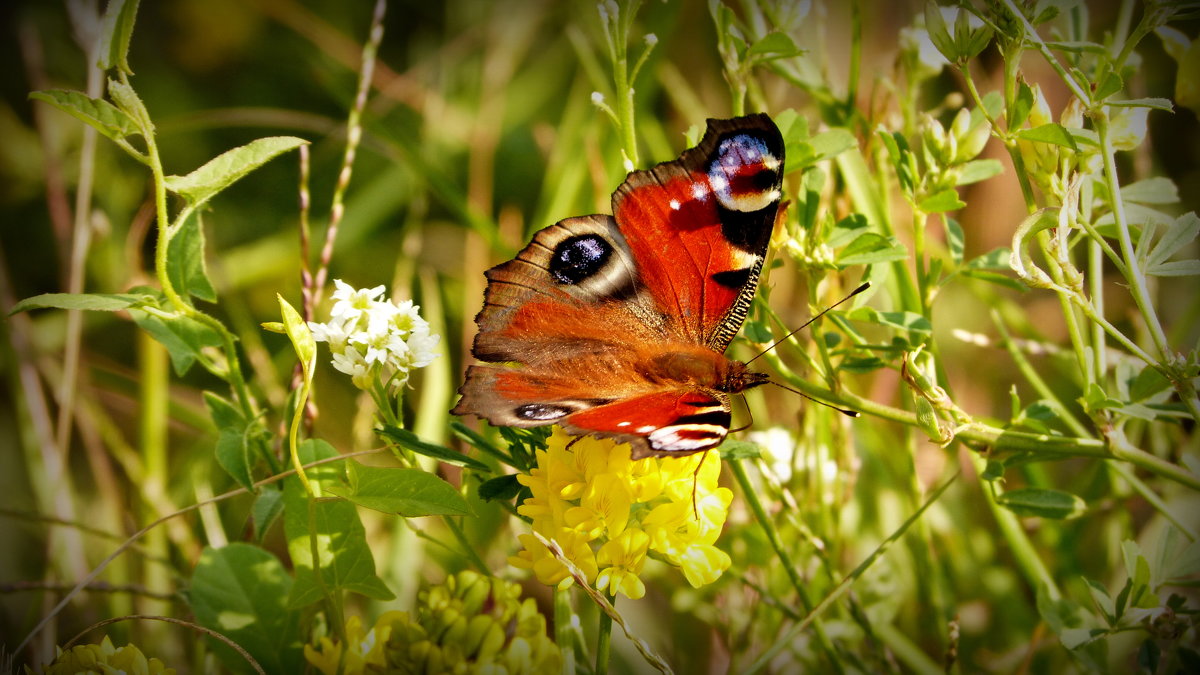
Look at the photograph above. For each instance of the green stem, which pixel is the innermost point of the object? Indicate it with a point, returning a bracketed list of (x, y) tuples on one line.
[(1039, 385), (839, 590), (1019, 546), (920, 220), (850, 107), (604, 640), (233, 372), (1134, 275), (619, 52), (153, 416), (978, 434), (564, 634), (471, 553), (1031, 34), (750, 494)]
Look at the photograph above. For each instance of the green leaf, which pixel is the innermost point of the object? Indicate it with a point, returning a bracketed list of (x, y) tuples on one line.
[(1052, 132), (1103, 600), (226, 169), (500, 488), (945, 200), (97, 302), (995, 278), (1108, 85), (955, 240), (233, 450), (1138, 216), (408, 440), (927, 417), (128, 100), (733, 449), (862, 364), (1148, 656), (239, 592), (1042, 503), (1022, 106), (774, 45), (1173, 557), (1148, 383), (1038, 416), (116, 30), (869, 248), (96, 113), (267, 508), (846, 230), (993, 470), (996, 259), (978, 170), (1152, 103), (905, 321), (185, 260), (1135, 563), (408, 492), (184, 338), (939, 32), (1178, 268), (301, 338), (1157, 190), (831, 143), (1077, 46), (1179, 234), (344, 558)]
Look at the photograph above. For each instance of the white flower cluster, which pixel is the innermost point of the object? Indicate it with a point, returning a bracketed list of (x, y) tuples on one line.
[(372, 338)]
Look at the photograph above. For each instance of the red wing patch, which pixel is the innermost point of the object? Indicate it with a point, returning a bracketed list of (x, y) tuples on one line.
[(665, 423), (698, 227)]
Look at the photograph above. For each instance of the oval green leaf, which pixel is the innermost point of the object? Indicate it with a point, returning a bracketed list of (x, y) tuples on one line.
[(408, 492), (226, 169), (96, 113), (97, 302), (1043, 503)]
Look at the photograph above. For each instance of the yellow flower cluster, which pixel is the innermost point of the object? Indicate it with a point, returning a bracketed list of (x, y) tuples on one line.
[(607, 513), (470, 624), (104, 659)]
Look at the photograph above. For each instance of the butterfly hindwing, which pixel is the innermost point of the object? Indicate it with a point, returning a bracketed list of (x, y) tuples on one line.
[(664, 423)]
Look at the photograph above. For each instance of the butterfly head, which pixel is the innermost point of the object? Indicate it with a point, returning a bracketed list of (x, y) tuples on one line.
[(739, 378)]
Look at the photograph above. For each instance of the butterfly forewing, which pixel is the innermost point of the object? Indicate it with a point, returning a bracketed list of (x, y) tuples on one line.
[(698, 227)]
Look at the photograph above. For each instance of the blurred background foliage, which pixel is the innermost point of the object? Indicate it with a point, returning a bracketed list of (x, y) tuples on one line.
[(480, 129)]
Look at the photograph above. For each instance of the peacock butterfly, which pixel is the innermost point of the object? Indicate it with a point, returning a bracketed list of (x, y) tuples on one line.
[(616, 326)]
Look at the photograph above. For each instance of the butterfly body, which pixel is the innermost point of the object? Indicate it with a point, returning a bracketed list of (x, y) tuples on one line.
[(616, 326)]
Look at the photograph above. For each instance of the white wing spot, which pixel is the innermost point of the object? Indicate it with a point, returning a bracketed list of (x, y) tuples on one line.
[(646, 429), (622, 424), (699, 191), (674, 204), (668, 439)]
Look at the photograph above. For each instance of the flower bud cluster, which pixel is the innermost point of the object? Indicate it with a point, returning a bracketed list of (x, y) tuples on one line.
[(469, 624), (104, 659), (945, 151)]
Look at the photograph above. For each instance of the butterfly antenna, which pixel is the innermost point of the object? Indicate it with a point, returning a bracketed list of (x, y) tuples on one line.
[(847, 413), (695, 484), (865, 285)]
